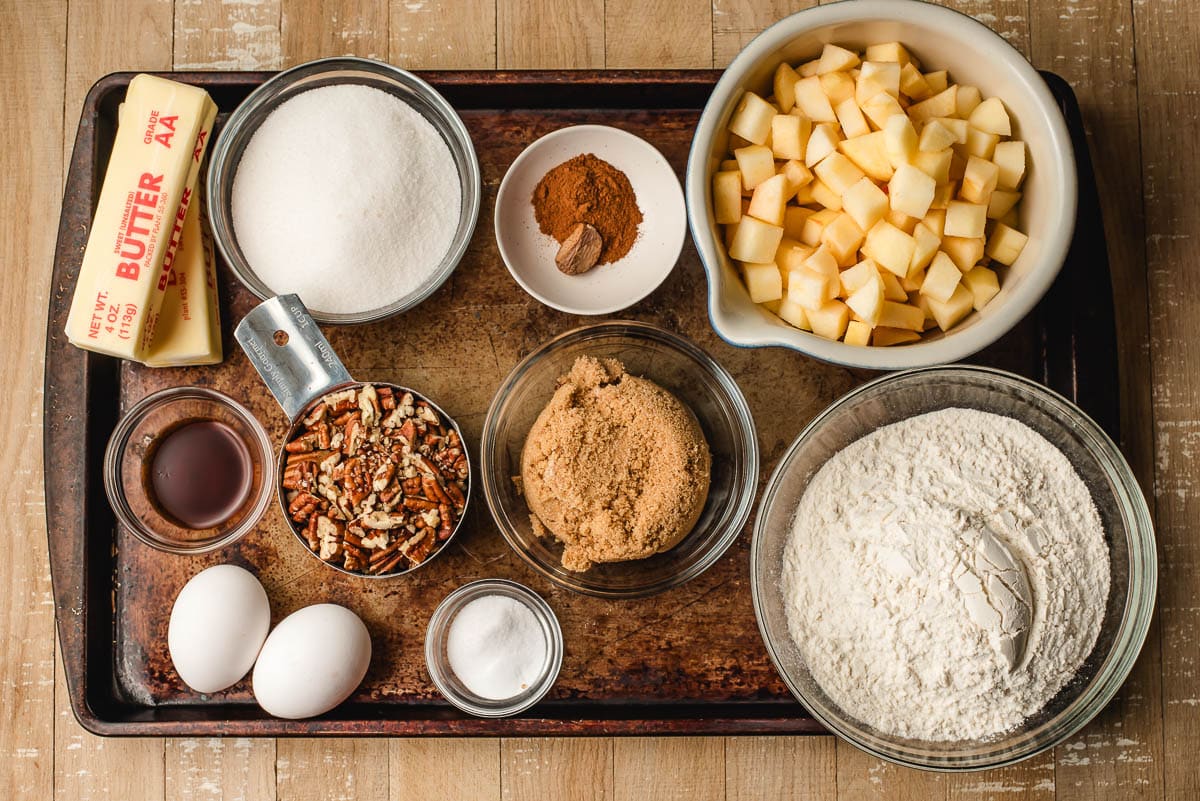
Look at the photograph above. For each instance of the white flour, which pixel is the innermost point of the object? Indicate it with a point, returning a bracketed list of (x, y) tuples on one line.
[(906, 575), (346, 196)]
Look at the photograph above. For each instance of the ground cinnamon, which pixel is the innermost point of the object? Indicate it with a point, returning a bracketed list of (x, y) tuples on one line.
[(588, 189)]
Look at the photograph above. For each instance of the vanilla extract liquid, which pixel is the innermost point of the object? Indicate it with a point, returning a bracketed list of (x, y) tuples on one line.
[(199, 473)]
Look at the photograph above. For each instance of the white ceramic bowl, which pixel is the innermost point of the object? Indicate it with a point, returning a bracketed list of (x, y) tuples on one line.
[(606, 288), (942, 39)]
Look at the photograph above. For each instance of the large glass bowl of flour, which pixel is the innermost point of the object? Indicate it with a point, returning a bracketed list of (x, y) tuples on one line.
[(1118, 500), (360, 194)]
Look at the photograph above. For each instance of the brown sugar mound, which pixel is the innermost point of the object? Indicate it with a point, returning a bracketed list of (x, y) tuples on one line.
[(615, 467), (587, 189)]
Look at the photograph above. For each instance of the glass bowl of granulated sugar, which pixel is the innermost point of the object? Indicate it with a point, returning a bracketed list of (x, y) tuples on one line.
[(348, 182), (953, 568)]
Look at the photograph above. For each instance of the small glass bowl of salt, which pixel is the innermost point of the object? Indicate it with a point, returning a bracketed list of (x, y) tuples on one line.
[(493, 648)]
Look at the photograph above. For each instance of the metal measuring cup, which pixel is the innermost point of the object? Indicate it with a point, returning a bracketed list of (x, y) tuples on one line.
[(301, 370)]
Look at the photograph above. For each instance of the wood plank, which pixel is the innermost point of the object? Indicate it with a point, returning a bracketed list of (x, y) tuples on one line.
[(669, 768), (658, 34), (234, 35), (1167, 52), (102, 37), (433, 35), (322, 28), (31, 83), (864, 778), (549, 34), (535, 769), (1091, 45), (445, 770), (780, 769), (736, 22), (1031, 780), (313, 769), (214, 769)]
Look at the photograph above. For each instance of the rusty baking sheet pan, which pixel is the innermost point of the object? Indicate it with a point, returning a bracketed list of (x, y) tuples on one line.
[(688, 661)]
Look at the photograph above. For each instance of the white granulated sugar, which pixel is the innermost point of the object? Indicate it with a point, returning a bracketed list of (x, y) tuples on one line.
[(946, 575), (346, 196)]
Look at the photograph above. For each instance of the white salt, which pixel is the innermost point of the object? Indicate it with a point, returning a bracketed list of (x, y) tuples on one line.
[(346, 196), (496, 647)]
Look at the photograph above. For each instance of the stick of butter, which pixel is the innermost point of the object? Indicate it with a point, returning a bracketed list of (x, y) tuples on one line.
[(189, 323), (163, 132)]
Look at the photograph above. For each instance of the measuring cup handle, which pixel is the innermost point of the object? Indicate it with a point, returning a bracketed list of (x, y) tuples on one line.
[(290, 353)]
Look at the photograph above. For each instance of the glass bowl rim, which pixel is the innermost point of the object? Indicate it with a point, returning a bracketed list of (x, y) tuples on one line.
[(442, 616), (119, 440), (250, 114), (1139, 604), (638, 330)]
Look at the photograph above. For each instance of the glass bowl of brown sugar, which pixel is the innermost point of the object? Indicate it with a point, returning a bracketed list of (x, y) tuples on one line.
[(685, 371)]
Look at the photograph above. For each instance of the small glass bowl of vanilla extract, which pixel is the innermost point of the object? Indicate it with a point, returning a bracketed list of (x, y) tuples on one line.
[(189, 470)]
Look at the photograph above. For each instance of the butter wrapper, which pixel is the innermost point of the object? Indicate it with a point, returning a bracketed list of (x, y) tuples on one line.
[(148, 187), (189, 322)]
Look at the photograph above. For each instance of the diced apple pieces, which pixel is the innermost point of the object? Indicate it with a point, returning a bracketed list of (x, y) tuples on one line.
[(857, 333), (882, 336), (822, 142), (830, 320), (941, 279), (763, 281), (851, 118), (755, 241), (875, 77), (981, 144), (837, 86), (756, 164), (812, 101), (815, 224), (955, 126), (852, 279), (867, 301), (966, 252), (1010, 161), (887, 51), (935, 221), (901, 315), (890, 247), (900, 140), (727, 197), (913, 83), (943, 104), (870, 155), (1005, 244), (938, 81), (990, 116), (752, 118), (790, 255), (794, 314), (797, 175), (838, 173), (1001, 203), (866, 203), (785, 87), (949, 314), (911, 191), (968, 98), (836, 59), (789, 136), (824, 196), (843, 237), (892, 290), (769, 198), (882, 107), (794, 218), (811, 289), (978, 182), (935, 137), (927, 244), (965, 219), (936, 165), (983, 284)]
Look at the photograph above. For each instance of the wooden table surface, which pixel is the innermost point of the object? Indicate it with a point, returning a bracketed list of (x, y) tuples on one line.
[(1135, 67)]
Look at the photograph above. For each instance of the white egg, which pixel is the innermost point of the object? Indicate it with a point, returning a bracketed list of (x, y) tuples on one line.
[(313, 660), (218, 624)]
